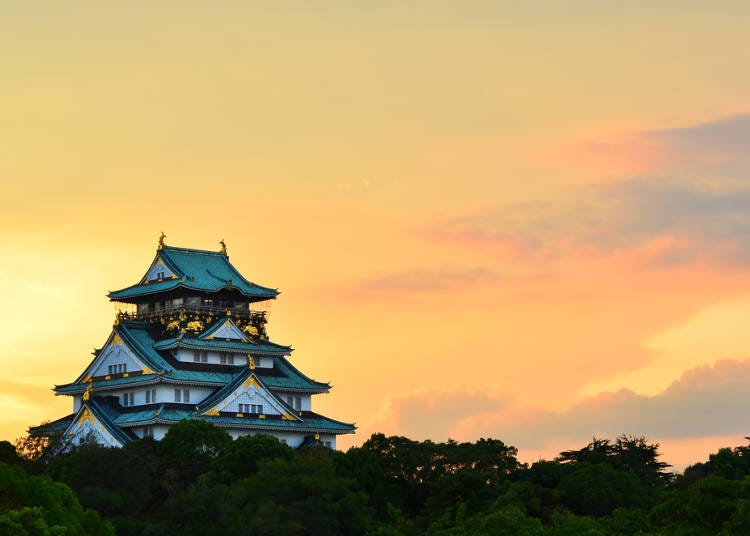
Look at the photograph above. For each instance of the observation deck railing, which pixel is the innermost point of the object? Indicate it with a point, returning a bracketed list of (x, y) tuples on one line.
[(216, 310)]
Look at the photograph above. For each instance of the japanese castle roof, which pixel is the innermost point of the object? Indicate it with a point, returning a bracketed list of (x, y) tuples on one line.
[(162, 367), (118, 419), (194, 269), (248, 347)]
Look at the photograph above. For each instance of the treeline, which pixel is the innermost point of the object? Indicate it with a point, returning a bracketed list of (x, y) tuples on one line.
[(198, 481)]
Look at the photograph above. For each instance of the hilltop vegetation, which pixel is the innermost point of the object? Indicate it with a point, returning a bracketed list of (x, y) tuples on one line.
[(198, 481)]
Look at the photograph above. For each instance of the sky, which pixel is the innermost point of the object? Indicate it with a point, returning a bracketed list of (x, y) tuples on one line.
[(520, 220)]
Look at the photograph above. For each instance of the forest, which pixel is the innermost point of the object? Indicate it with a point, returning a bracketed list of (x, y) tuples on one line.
[(198, 481)]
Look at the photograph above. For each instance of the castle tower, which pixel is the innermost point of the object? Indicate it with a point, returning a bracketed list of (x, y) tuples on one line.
[(190, 343)]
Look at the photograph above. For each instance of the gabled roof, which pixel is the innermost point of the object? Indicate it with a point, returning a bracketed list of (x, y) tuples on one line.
[(97, 416), (195, 269), (132, 350), (245, 380), (224, 328)]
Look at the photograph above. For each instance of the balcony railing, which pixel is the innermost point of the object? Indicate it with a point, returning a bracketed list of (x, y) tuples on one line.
[(216, 310)]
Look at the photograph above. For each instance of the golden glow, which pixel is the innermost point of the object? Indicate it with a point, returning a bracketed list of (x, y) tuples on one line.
[(428, 184)]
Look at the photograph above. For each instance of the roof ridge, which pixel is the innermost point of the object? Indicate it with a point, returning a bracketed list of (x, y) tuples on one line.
[(193, 250)]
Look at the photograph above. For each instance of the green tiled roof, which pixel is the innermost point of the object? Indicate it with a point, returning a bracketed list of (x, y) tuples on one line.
[(290, 378), (201, 376), (196, 269), (219, 344), (54, 427), (312, 423), (138, 336), (78, 388), (105, 414)]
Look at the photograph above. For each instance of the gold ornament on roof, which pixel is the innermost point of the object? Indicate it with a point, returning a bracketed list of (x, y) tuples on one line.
[(161, 241), (250, 362), (223, 246), (87, 393)]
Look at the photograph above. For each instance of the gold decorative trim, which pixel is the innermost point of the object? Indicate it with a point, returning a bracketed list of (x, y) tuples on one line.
[(251, 381)]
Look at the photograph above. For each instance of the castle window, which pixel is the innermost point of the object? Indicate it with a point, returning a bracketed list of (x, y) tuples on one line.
[(200, 356), (226, 359), (182, 395), (256, 408), (177, 395), (326, 444), (244, 408), (294, 401), (128, 399), (148, 431), (119, 368), (150, 396)]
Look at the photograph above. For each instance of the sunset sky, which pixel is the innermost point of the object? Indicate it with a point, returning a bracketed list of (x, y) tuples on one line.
[(521, 220)]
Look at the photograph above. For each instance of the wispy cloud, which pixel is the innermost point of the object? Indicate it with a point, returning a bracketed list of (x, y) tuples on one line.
[(694, 208)]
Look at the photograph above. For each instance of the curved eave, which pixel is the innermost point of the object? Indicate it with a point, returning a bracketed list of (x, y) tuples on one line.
[(271, 349), (325, 386), (139, 290), (55, 427), (280, 386), (107, 385), (328, 426)]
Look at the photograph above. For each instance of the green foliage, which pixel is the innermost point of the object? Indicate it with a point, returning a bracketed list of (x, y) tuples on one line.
[(194, 439), (9, 455), (240, 458), (596, 489), (713, 505), (37, 505), (197, 481)]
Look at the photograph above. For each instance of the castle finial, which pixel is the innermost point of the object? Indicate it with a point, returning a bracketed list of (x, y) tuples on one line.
[(161, 241), (223, 246)]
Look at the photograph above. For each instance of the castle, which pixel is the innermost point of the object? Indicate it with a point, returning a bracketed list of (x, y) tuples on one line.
[(190, 342)]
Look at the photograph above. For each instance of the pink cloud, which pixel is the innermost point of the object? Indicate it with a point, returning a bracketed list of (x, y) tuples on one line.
[(708, 403)]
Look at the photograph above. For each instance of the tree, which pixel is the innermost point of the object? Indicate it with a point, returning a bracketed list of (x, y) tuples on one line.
[(187, 451), (596, 489), (240, 458), (37, 505)]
